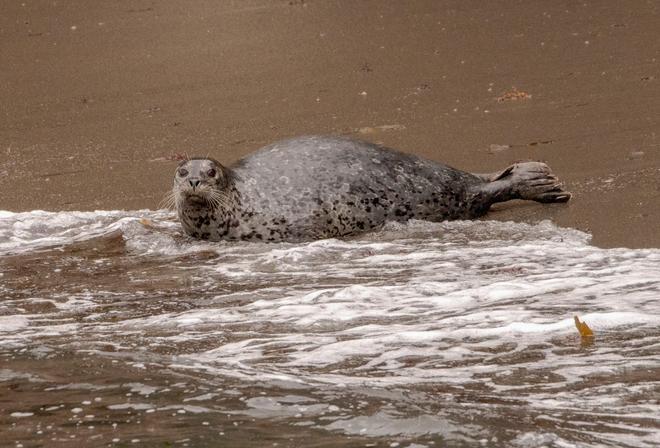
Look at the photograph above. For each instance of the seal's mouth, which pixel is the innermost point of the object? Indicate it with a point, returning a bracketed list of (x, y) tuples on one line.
[(196, 196)]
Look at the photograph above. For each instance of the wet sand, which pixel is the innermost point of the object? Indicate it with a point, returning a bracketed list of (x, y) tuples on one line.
[(96, 98)]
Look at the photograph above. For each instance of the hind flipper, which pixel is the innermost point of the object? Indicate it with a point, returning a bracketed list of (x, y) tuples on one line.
[(532, 181)]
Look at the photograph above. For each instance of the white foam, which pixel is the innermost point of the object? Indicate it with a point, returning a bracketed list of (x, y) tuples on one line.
[(29, 231), (13, 323), (135, 406), (141, 389), (484, 305), (383, 424)]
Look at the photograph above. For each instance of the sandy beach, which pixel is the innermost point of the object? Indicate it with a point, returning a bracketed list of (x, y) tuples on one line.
[(97, 98)]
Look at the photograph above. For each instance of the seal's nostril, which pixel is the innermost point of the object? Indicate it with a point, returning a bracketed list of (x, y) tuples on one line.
[(194, 183)]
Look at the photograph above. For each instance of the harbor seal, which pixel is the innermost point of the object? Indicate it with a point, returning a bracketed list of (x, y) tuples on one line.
[(315, 187)]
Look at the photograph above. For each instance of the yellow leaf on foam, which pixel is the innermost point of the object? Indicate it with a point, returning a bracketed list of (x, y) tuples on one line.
[(583, 328)]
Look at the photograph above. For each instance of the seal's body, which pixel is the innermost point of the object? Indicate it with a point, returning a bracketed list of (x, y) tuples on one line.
[(317, 187)]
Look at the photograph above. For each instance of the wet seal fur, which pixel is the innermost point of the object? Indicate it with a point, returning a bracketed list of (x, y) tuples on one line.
[(316, 187)]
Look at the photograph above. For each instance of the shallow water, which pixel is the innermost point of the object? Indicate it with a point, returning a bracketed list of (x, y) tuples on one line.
[(117, 330)]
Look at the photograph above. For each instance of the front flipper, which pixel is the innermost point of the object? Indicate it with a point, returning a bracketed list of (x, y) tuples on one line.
[(532, 181)]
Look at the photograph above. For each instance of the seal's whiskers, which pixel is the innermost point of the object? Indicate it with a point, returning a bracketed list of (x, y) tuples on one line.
[(169, 201), (217, 198)]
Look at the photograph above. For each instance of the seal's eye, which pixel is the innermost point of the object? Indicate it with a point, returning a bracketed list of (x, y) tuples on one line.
[(183, 172), (211, 173)]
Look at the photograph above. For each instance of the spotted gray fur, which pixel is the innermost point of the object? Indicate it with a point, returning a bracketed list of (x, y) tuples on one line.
[(317, 187)]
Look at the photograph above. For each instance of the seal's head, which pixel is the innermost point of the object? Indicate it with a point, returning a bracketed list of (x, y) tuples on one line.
[(200, 182)]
